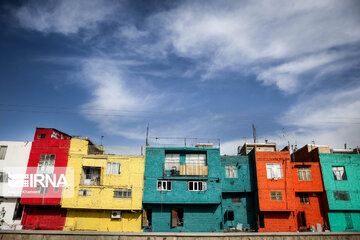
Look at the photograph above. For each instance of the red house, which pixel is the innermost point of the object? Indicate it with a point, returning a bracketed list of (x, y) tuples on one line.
[(311, 201), (49, 154), (276, 196)]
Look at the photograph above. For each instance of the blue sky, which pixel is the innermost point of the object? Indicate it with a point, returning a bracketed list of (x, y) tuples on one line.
[(188, 68)]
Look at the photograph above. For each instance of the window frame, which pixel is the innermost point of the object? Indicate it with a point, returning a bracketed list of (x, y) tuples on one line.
[(304, 172), (83, 190), (110, 170), (41, 135), (231, 171), (197, 184), (3, 152), (123, 193), (277, 193), (304, 198), (269, 168), (342, 194), (344, 176), (162, 188)]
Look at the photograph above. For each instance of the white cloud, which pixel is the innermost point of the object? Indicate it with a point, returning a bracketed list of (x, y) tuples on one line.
[(65, 16)]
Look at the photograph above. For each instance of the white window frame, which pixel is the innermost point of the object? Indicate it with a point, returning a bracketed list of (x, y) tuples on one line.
[(231, 171), (3, 150), (123, 193), (304, 174), (277, 196), (197, 186), (46, 164), (165, 185), (272, 171), (113, 168), (198, 159)]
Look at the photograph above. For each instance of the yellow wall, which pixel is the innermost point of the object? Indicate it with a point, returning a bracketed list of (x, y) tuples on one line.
[(100, 220), (89, 212)]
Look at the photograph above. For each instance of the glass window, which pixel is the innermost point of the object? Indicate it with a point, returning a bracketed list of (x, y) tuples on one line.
[(304, 174), (304, 199), (41, 136), (2, 152), (194, 186), (84, 192), (163, 185), (113, 168), (276, 195), (195, 159), (342, 195), (273, 170), (339, 173), (122, 193), (172, 162), (231, 171)]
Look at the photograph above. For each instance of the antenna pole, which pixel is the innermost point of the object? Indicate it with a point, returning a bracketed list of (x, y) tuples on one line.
[(254, 132), (147, 135)]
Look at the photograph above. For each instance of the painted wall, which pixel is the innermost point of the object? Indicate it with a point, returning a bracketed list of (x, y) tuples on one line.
[(42, 211), (55, 142), (279, 215), (197, 217), (8, 205), (339, 208), (202, 206), (45, 217), (102, 196), (100, 220)]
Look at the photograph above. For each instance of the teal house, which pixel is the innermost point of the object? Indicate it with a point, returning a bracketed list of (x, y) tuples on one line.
[(341, 178), (238, 208), (182, 189)]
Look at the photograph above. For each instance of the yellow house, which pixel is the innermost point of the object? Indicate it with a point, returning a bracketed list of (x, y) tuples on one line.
[(105, 191)]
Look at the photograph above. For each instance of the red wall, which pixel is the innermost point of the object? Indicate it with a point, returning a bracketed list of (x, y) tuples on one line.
[(43, 211), (43, 217), (279, 216)]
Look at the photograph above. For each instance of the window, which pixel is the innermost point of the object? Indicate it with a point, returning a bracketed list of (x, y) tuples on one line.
[(122, 193), (46, 164), (229, 215), (276, 195), (231, 171), (196, 186), (42, 190), (3, 177), (84, 192), (236, 199), (348, 221), (41, 136), (113, 168), (261, 220), (304, 199), (172, 162), (163, 185), (339, 173), (2, 152), (19, 208), (342, 195), (273, 170), (304, 174), (91, 176), (195, 159), (177, 217)]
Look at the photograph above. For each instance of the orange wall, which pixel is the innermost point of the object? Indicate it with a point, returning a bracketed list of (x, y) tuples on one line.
[(315, 185), (279, 222), (313, 210)]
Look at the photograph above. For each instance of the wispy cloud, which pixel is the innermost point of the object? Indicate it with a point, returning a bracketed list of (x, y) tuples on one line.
[(65, 16)]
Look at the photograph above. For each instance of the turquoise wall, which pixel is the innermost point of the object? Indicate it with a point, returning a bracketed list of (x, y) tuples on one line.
[(197, 218), (240, 187), (338, 209), (201, 206)]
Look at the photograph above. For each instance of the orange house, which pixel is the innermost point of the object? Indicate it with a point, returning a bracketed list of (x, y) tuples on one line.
[(275, 187), (311, 202)]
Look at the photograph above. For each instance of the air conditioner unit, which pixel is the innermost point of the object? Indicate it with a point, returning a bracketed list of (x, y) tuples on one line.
[(116, 214)]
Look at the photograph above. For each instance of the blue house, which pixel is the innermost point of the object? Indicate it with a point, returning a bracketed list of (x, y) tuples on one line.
[(237, 205), (182, 189)]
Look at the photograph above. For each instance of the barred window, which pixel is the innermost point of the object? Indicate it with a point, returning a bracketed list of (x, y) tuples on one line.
[(276, 195), (231, 171), (304, 174), (122, 193)]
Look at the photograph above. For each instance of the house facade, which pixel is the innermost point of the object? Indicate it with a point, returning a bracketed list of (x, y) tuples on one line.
[(340, 172), (182, 188), (48, 156), (310, 197), (106, 194), (275, 191), (237, 187), (14, 157)]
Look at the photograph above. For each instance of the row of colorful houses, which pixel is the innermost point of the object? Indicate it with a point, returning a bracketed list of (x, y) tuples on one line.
[(178, 189)]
